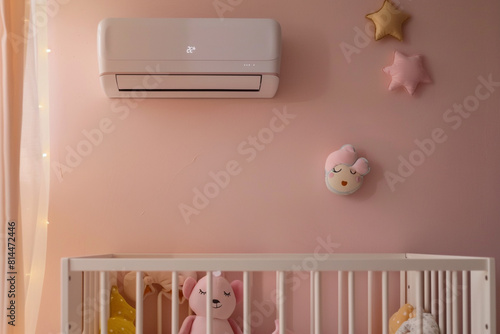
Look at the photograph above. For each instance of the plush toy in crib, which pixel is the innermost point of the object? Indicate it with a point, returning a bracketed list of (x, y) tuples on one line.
[(225, 296), (398, 318), (344, 171), (154, 280), (121, 314), (410, 326)]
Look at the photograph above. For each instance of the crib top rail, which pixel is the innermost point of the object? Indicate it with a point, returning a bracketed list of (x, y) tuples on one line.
[(278, 262)]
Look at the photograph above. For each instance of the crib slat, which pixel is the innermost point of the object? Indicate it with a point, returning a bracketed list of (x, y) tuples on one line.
[(448, 302), (86, 299), (454, 296), (103, 301), (246, 302), (433, 295), (350, 284), (340, 315), (95, 301), (370, 301), (402, 288), (311, 302), (281, 302), (420, 300), (385, 302), (175, 305), (90, 310), (442, 306), (209, 302), (427, 302), (139, 303), (316, 319), (465, 302)]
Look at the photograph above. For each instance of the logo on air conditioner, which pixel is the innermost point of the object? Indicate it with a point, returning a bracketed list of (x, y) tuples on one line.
[(190, 49)]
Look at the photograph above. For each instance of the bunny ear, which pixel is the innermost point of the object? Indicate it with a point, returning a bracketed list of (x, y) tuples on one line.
[(237, 287), (344, 155), (188, 287), (348, 148), (361, 166)]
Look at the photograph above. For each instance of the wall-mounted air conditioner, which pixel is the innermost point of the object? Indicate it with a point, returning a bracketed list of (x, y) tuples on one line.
[(189, 58)]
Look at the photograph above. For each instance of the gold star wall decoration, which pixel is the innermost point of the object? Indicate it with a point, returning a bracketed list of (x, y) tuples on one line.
[(388, 20)]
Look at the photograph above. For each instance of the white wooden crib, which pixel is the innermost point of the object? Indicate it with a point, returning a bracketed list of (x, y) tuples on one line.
[(458, 291)]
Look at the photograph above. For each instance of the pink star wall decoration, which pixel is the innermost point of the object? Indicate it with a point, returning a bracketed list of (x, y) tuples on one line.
[(407, 72)]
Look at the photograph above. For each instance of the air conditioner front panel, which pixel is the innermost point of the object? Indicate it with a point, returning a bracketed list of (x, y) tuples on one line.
[(146, 87)]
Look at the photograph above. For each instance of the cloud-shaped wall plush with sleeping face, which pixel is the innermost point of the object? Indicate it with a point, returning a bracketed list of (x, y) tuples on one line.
[(344, 171)]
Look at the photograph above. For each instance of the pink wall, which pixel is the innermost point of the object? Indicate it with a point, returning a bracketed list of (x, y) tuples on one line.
[(125, 194)]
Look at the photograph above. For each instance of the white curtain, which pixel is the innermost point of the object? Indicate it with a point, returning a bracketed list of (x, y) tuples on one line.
[(24, 162)]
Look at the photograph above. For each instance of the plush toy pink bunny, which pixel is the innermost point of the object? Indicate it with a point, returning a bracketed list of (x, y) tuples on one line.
[(225, 296)]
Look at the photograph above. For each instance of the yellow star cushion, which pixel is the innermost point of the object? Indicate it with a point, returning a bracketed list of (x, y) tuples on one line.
[(122, 315), (388, 20), (399, 318)]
